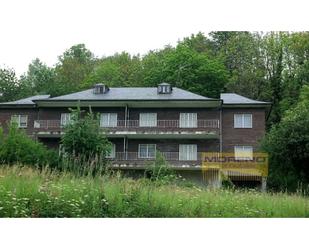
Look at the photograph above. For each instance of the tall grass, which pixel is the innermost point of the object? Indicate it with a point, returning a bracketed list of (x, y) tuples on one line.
[(27, 192)]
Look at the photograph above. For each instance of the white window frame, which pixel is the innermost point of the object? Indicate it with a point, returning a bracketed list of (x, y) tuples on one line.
[(188, 156), (112, 153), (148, 119), (65, 119), (147, 148), (18, 118), (109, 119), (188, 120), (240, 152), (242, 116)]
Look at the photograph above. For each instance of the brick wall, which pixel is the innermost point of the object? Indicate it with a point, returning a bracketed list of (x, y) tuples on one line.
[(242, 136), (5, 117)]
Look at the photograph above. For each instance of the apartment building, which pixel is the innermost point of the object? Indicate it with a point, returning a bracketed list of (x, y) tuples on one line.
[(140, 121)]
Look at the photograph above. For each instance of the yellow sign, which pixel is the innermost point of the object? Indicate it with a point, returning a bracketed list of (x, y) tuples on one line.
[(255, 164)]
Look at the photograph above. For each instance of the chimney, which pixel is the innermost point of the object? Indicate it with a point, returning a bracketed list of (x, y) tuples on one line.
[(100, 88), (164, 88)]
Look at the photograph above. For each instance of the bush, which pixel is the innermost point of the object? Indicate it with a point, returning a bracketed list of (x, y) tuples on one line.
[(83, 137), (17, 147), (160, 170)]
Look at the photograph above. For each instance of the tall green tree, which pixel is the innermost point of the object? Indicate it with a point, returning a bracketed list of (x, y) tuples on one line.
[(73, 68), (9, 85), (39, 78), (186, 68), (288, 146), (199, 42), (117, 70), (296, 70), (274, 43), (241, 53)]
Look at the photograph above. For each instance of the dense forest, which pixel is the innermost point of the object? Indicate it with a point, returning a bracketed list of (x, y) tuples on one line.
[(271, 66)]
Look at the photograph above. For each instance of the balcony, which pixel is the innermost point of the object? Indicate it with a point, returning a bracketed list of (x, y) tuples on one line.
[(132, 128), (133, 160), (245, 170)]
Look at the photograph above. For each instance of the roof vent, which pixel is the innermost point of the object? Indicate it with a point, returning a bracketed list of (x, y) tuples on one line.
[(100, 88), (165, 88)]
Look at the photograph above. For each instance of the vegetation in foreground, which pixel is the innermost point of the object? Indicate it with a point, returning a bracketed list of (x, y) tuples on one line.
[(27, 192)]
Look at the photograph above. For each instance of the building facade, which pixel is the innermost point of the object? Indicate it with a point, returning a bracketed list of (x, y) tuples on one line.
[(141, 121)]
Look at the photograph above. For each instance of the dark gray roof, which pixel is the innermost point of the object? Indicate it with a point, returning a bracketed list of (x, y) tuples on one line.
[(26, 101), (131, 93), (233, 98)]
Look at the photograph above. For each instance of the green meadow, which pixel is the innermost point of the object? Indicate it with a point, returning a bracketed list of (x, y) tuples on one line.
[(29, 192)]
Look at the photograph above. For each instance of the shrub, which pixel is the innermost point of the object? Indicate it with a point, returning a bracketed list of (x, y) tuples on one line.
[(84, 138), (160, 170), (17, 147)]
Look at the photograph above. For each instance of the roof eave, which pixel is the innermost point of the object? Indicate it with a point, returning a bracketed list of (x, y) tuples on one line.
[(2, 106), (133, 103)]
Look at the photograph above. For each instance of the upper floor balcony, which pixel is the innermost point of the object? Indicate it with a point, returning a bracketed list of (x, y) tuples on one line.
[(136, 128)]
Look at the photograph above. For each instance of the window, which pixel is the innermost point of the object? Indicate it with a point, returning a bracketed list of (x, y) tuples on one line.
[(188, 120), (147, 119), (243, 152), (164, 88), (242, 120), (108, 120), (146, 151), (112, 152), (20, 120), (187, 152), (65, 119)]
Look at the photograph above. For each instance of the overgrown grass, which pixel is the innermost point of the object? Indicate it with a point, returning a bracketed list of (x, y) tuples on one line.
[(27, 192)]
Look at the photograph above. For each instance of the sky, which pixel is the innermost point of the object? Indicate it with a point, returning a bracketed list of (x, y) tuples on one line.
[(46, 28)]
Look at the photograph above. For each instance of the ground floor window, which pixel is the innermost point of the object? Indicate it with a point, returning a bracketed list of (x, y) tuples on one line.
[(243, 152), (112, 153), (187, 152), (20, 120), (146, 151)]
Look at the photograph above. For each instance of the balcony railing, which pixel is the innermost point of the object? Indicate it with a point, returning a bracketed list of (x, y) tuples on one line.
[(135, 124), (169, 156)]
